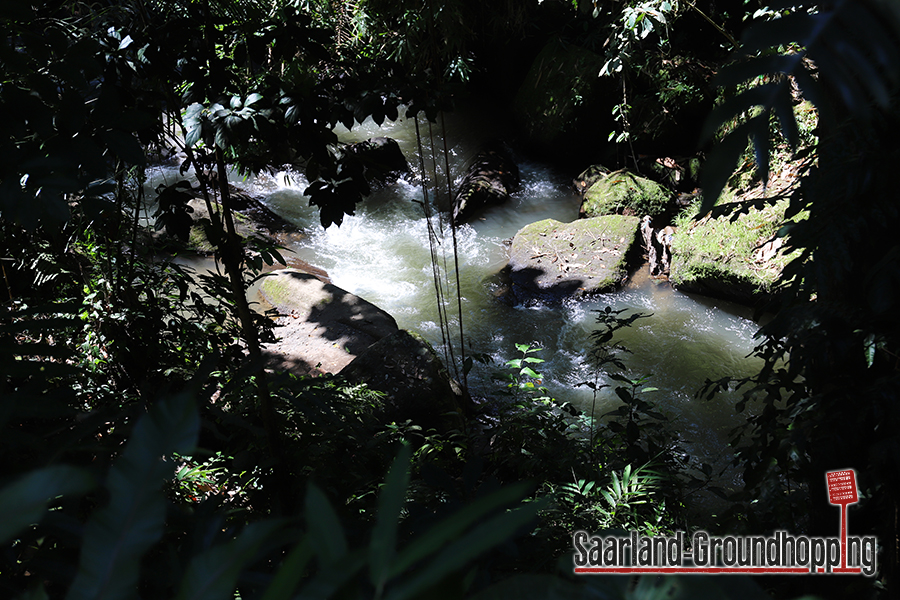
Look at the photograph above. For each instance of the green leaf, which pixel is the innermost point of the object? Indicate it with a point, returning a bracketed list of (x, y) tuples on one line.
[(529, 372), (438, 535), (117, 536), (23, 502), (870, 346), (291, 571), (331, 578), (456, 555), (324, 526), (624, 394), (213, 574), (221, 137), (383, 546)]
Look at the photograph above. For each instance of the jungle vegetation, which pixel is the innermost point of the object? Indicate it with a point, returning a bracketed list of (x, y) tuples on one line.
[(146, 451)]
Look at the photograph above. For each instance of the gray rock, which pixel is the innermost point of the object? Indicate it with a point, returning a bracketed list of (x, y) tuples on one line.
[(549, 260), (658, 244), (322, 327), (414, 380), (382, 159), (490, 178)]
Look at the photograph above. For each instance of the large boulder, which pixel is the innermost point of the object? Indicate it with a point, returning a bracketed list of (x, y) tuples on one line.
[(624, 193), (322, 328), (549, 260), (490, 178), (563, 108), (416, 384)]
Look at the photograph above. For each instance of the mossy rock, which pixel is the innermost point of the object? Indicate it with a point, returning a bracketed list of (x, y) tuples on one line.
[(589, 177), (252, 218), (550, 260), (624, 193), (561, 98), (736, 259)]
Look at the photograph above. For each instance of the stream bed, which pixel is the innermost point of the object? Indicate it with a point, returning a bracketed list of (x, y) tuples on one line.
[(382, 254)]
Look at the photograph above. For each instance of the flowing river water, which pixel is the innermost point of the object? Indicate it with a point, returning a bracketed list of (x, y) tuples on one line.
[(383, 255)]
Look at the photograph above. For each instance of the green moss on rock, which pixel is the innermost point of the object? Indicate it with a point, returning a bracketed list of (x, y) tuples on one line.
[(561, 97), (737, 259), (624, 193), (549, 259)]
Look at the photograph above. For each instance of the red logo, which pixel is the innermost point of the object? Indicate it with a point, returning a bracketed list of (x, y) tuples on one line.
[(842, 490)]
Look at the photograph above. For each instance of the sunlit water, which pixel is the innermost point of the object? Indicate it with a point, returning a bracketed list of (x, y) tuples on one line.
[(383, 255)]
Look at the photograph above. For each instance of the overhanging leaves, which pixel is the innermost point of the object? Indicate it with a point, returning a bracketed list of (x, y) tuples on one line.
[(24, 502), (117, 536), (846, 62)]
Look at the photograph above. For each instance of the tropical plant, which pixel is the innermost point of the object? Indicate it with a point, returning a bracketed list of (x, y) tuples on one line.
[(826, 395)]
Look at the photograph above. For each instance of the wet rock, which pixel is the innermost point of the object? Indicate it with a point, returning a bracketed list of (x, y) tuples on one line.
[(381, 158), (658, 245), (589, 177), (489, 180), (251, 218), (549, 260), (322, 327), (416, 384)]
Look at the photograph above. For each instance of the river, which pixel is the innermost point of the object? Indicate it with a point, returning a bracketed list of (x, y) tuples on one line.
[(382, 254)]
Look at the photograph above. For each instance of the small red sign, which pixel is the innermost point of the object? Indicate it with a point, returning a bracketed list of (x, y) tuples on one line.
[(842, 487)]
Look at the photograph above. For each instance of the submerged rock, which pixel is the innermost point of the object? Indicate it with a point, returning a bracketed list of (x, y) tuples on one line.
[(416, 384), (490, 179), (549, 260), (624, 193), (322, 327)]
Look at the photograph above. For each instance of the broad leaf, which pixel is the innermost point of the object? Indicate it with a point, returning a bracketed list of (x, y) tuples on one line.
[(213, 574), (383, 547), (325, 527), (117, 536), (24, 502)]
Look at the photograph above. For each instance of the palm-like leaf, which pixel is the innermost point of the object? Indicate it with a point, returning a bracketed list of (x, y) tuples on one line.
[(848, 62)]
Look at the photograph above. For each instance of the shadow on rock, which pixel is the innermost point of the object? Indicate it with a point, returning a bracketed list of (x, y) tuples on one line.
[(322, 327)]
